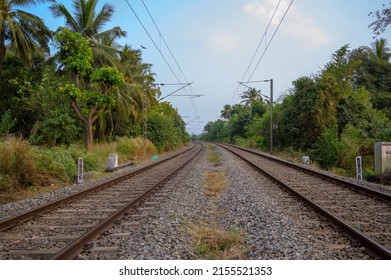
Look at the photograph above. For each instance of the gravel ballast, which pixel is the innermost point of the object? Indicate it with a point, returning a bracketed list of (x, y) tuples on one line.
[(274, 224)]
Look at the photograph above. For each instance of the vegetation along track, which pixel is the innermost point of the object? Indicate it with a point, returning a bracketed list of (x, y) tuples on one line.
[(60, 229), (364, 214)]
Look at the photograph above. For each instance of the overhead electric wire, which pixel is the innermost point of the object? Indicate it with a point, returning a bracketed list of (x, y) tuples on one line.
[(259, 61), (260, 42), (164, 41), (257, 49), (268, 44), (160, 52), (153, 41), (172, 55)]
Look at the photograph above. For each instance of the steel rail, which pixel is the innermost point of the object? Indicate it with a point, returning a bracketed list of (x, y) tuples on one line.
[(72, 250), (27, 215), (371, 245), (356, 187)]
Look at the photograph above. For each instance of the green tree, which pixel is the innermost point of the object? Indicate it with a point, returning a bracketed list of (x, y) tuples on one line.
[(18, 85), (298, 125), (226, 112), (86, 21), (91, 90), (383, 19), (250, 96), (381, 49), (166, 129), (54, 124), (22, 30)]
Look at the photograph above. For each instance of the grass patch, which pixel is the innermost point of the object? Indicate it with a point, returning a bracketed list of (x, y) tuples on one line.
[(215, 182), (214, 243), (27, 170), (211, 147), (18, 169), (214, 157)]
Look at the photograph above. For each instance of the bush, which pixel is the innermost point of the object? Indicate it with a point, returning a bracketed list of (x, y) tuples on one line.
[(90, 160), (58, 162), (17, 167), (325, 149), (133, 148), (6, 123)]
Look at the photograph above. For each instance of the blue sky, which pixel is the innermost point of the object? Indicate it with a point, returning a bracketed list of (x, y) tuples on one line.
[(213, 42)]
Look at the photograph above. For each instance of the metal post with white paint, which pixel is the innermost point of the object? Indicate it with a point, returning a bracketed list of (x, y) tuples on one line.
[(359, 168), (80, 170)]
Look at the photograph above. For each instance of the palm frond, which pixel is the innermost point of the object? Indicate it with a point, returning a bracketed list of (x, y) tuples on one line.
[(59, 10), (103, 17)]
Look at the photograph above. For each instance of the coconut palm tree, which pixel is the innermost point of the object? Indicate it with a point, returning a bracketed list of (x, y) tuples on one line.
[(90, 24), (250, 96), (226, 112), (381, 49), (22, 30)]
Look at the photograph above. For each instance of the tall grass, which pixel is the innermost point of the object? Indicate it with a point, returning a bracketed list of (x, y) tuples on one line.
[(17, 166), (133, 149), (23, 166)]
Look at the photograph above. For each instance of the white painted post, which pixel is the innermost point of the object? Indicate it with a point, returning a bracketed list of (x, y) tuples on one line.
[(359, 168), (80, 170), (305, 160), (112, 162)]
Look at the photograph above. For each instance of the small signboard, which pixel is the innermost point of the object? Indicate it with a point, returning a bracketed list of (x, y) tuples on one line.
[(359, 168), (80, 170)]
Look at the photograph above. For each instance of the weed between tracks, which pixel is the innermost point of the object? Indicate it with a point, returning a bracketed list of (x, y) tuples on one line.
[(214, 243), (215, 182), (211, 241)]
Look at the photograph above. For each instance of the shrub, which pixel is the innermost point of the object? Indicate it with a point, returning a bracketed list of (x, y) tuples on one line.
[(133, 148), (325, 149), (58, 162), (6, 123), (17, 167)]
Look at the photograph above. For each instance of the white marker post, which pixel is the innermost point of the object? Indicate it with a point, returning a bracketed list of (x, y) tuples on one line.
[(80, 170), (359, 168), (112, 162), (305, 160)]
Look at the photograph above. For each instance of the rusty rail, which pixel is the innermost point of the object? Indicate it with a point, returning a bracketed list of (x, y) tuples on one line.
[(372, 246)]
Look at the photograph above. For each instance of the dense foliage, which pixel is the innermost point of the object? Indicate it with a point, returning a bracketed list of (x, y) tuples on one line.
[(334, 115), (89, 89)]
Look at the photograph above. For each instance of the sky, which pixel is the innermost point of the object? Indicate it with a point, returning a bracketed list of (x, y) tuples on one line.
[(212, 42)]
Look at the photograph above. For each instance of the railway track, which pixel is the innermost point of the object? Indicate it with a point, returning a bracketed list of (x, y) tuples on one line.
[(362, 213), (60, 229)]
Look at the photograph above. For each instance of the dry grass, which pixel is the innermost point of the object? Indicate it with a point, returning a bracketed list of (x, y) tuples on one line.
[(214, 243), (17, 167), (214, 157), (215, 182), (26, 171)]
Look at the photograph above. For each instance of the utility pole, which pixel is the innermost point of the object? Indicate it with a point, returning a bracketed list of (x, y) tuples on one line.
[(271, 106)]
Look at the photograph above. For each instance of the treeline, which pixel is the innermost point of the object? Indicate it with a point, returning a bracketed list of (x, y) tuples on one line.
[(334, 115), (90, 88)]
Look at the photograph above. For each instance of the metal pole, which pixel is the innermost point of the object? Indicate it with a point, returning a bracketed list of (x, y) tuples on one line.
[(271, 116)]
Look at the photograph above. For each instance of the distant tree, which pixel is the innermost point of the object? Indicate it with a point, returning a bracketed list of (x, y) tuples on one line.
[(383, 19), (250, 96), (381, 49), (226, 112), (21, 29)]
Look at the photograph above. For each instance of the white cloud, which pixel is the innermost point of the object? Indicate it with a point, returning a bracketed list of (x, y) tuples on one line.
[(295, 24), (224, 41)]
